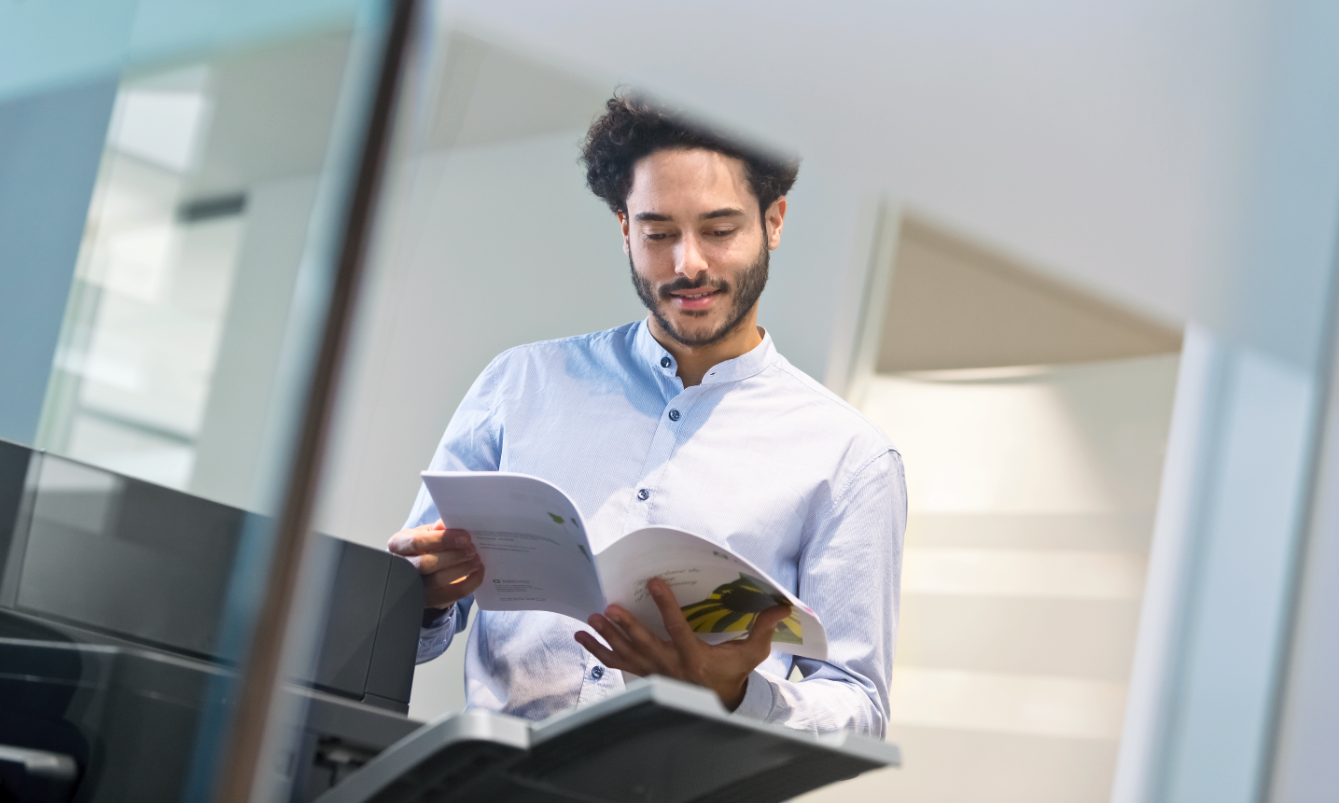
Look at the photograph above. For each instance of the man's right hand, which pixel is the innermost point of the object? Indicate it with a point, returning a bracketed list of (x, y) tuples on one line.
[(446, 559)]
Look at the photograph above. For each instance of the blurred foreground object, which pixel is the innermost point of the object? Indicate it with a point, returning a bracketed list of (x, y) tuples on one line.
[(659, 740)]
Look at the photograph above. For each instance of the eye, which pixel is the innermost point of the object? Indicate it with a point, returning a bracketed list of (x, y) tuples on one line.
[(656, 235), (722, 232)]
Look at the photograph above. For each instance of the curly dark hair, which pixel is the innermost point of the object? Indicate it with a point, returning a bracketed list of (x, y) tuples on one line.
[(633, 127)]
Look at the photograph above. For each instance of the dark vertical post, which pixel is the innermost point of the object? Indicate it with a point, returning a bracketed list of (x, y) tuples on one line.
[(242, 758)]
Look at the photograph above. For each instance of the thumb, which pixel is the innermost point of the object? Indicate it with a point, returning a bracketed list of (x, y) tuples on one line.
[(760, 635)]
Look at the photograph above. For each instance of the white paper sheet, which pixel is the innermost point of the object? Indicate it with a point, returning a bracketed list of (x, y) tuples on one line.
[(530, 538), (536, 557), (718, 591)]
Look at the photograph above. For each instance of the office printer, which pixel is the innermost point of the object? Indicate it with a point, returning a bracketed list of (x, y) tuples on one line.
[(112, 593)]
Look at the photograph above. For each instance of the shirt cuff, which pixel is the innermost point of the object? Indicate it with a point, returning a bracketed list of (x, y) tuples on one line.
[(436, 632), (757, 702), (434, 618)]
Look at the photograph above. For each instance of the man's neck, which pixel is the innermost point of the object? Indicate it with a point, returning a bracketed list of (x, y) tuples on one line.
[(695, 361)]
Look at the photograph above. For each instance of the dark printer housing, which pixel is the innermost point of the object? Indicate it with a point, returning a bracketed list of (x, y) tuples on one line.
[(112, 593)]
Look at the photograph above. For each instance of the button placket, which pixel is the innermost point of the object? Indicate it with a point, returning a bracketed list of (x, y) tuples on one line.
[(663, 443), (591, 689)]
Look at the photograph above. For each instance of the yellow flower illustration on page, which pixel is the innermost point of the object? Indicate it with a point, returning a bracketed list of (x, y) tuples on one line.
[(733, 607)]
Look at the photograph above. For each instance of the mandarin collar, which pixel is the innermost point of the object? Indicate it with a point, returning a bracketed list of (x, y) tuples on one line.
[(744, 366)]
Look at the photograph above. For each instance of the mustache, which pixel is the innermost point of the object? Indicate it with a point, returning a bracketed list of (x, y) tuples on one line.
[(684, 283)]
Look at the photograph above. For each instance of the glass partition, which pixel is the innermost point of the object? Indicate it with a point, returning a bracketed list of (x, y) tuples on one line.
[(165, 369), (187, 198), (1000, 233)]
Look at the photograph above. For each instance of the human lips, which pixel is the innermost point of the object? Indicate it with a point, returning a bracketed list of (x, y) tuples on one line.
[(698, 298)]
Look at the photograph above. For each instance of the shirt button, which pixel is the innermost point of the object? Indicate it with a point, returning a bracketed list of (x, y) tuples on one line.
[(643, 494), (674, 415), (597, 672), (664, 362)]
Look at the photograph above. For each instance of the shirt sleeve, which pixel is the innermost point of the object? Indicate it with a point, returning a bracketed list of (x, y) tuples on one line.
[(850, 574), (472, 442), (435, 636)]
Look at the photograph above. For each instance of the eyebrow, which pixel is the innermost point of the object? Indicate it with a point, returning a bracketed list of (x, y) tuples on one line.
[(656, 217)]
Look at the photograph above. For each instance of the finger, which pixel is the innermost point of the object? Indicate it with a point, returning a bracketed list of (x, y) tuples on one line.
[(469, 583), (404, 535), (614, 637), (402, 543), (656, 655), (680, 632), (436, 540), (593, 646), (448, 575), (427, 539), (436, 561), (440, 595), (620, 654), (636, 632)]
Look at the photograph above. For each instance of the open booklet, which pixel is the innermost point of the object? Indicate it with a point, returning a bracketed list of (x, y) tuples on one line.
[(536, 557)]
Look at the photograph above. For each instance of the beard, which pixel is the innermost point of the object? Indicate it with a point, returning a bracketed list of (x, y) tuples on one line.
[(746, 290)]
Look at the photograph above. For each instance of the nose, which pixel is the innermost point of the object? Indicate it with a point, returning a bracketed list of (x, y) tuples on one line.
[(689, 261)]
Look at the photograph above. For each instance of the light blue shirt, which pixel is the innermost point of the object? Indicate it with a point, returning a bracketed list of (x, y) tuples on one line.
[(758, 457)]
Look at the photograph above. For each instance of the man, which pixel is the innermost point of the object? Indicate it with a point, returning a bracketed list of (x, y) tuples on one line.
[(688, 419)]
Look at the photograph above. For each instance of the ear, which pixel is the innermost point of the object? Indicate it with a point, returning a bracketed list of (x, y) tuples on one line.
[(773, 220), (623, 224)]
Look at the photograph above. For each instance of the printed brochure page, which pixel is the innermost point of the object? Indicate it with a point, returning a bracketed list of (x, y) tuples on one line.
[(536, 557), (530, 537), (720, 593)]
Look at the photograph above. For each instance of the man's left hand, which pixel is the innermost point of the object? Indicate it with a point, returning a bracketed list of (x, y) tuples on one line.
[(723, 668)]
